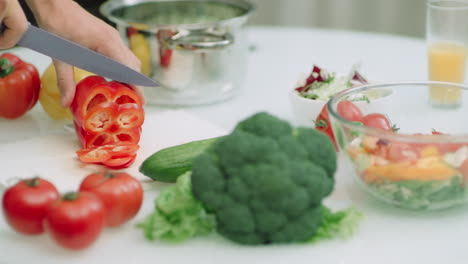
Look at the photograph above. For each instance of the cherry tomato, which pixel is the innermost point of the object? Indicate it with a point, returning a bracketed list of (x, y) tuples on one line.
[(322, 123), (121, 194), (76, 220), (349, 111), (377, 121), (25, 204)]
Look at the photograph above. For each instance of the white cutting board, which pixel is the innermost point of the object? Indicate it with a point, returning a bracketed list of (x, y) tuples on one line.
[(387, 235)]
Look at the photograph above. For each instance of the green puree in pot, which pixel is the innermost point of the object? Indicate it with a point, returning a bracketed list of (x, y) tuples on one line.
[(178, 12)]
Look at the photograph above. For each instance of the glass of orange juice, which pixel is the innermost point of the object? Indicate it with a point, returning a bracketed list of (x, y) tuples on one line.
[(447, 48)]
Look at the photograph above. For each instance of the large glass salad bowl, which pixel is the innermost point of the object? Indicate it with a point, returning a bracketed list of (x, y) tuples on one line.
[(404, 150)]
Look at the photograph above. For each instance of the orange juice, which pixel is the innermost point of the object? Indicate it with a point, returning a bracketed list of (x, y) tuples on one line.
[(447, 62)]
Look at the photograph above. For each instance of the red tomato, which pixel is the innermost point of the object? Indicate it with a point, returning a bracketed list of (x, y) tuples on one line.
[(322, 123), (19, 86), (25, 205), (121, 194), (76, 220), (349, 111), (377, 121)]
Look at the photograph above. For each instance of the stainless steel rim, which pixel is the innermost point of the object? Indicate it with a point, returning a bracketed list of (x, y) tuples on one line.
[(463, 5), (110, 5)]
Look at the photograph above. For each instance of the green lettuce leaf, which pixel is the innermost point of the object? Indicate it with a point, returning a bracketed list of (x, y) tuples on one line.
[(341, 224), (178, 216), (422, 194)]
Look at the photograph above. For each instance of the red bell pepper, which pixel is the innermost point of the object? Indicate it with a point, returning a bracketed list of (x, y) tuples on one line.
[(107, 117), (19, 86)]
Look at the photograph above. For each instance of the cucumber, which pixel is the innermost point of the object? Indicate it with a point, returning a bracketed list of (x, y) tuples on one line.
[(169, 163)]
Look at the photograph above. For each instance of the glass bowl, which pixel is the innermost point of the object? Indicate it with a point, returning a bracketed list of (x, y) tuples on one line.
[(421, 166)]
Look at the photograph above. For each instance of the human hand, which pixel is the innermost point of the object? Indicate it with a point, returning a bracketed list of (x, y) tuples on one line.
[(69, 20), (14, 21)]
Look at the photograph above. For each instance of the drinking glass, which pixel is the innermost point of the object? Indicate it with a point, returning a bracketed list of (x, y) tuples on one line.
[(447, 39)]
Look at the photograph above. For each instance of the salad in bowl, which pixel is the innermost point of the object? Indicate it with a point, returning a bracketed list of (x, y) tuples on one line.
[(321, 85), (312, 93), (411, 154)]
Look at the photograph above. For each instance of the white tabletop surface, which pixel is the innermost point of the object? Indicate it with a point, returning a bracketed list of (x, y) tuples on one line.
[(280, 56)]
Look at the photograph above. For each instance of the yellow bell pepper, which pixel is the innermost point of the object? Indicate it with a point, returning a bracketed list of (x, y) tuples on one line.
[(49, 96), (427, 169), (139, 45)]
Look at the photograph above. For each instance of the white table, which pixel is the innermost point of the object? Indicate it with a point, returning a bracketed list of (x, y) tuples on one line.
[(281, 55)]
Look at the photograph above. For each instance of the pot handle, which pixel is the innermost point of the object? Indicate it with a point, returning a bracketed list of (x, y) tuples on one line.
[(201, 41)]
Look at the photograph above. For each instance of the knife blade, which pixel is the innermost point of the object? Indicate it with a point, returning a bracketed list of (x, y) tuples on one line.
[(71, 53)]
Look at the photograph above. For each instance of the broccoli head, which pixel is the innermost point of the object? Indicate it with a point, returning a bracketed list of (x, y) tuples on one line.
[(266, 180)]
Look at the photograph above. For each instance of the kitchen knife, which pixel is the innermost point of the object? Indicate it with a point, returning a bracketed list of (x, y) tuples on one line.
[(66, 51)]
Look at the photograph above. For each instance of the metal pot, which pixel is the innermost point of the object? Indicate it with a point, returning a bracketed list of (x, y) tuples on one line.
[(196, 49)]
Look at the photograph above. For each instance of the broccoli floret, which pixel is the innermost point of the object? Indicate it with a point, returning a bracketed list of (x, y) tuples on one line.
[(265, 181)]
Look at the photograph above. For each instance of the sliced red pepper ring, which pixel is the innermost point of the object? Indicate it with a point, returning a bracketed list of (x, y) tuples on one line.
[(99, 140), (113, 154), (127, 135), (86, 96), (94, 155), (88, 140), (120, 162), (130, 116), (123, 148), (101, 117), (123, 93), (99, 97)]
